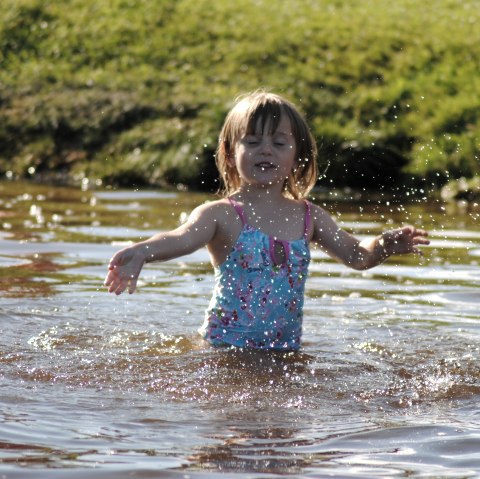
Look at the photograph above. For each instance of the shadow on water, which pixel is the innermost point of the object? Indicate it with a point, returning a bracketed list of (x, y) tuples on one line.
[(387, 382)]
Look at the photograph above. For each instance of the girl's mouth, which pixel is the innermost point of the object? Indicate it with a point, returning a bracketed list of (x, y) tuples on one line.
[(265, 165)]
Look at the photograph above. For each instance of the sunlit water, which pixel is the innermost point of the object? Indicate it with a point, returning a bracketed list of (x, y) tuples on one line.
[(95, 386)]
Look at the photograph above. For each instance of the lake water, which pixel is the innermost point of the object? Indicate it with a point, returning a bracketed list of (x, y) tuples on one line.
[(96, 386)]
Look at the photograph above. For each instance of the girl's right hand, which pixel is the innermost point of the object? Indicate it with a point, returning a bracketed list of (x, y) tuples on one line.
[(124, 269)]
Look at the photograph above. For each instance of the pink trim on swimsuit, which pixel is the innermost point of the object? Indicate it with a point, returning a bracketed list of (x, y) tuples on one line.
[(272, 240)]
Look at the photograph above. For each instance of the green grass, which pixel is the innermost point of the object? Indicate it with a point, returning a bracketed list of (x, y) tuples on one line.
[(135, 91)]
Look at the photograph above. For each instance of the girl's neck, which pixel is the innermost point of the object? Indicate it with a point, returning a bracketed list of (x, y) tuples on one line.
[(253, 194)]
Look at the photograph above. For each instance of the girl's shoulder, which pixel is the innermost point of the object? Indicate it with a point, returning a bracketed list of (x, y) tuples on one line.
[(318, 216), (219, 205), (217, 210)]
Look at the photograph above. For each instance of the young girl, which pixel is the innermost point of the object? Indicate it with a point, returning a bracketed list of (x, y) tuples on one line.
[(258, 235)]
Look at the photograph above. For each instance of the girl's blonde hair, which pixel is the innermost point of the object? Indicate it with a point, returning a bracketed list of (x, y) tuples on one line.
[(265, 109)]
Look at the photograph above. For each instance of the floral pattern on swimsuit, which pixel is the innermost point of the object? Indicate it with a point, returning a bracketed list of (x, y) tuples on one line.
[(257, 303)]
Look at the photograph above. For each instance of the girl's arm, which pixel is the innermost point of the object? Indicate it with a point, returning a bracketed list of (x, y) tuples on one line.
[(125, 266), (369, 252)]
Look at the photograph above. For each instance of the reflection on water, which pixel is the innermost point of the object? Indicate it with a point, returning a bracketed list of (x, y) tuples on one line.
[(387, 383)]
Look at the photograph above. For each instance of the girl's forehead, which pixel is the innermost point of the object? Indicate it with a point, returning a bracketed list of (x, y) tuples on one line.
[(269, 124)]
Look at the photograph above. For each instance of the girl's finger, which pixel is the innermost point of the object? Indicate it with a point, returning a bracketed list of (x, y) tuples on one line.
[(132, 286)]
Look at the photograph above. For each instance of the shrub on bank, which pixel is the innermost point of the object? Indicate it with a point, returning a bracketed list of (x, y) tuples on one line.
[(136, 91)]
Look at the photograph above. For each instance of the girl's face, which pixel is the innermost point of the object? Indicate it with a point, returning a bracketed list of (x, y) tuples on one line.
[(264, 158)]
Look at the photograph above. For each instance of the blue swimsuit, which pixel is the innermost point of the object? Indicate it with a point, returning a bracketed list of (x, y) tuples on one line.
[(256, 302)]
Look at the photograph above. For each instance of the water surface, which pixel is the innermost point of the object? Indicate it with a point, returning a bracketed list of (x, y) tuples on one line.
[(96, 386)]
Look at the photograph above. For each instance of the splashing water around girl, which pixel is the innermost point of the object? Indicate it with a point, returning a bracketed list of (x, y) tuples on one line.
[(259, 234)]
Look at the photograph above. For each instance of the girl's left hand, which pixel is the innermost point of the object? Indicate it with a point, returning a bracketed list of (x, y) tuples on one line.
[(404, 240)]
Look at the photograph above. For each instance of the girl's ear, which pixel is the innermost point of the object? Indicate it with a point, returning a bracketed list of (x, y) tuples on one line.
[(228, 153), (230, 157), (296, 165)]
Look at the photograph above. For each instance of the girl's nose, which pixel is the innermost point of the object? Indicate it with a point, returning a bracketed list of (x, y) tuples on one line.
[(266, 147)]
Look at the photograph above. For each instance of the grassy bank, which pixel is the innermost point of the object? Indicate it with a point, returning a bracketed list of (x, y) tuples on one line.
[(135, 91)]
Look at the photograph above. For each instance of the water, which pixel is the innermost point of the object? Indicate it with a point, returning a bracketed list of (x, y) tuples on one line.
[(97, 386)]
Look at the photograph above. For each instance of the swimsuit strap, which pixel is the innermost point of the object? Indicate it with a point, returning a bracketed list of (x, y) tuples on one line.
[(308, 218), (272, 241), (239, 210)]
